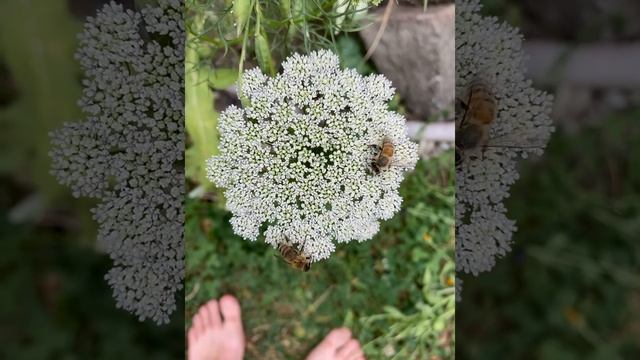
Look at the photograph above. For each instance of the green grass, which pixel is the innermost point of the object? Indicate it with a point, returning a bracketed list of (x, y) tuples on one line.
[(394, 290)]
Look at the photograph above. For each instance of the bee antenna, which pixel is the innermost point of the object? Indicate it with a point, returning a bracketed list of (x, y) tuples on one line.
[(400, 166), (464, 105), (466, 108)]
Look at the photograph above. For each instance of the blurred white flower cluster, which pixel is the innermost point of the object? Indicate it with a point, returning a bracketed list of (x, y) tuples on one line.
[(490, 50), (127, 151), (296, 161)]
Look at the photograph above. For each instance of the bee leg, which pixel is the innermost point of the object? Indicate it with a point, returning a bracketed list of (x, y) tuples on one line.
[(375, 168), (482, 151), (460, 107), (458, 156), (461, 104)]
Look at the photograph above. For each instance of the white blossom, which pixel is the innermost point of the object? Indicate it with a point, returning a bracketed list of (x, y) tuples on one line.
[(296, 162), (492, 51)]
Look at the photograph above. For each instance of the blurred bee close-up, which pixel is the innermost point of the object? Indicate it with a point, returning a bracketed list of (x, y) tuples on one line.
[(384, 158), (296, 258), (479, 108), (382, 161)]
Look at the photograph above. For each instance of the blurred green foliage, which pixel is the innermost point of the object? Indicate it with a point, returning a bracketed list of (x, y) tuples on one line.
[(40, 87), (200, 116), (265, 32), (37, 42), (56, 305), (571, 287), (55, 302), (395, 291), (510, 11)]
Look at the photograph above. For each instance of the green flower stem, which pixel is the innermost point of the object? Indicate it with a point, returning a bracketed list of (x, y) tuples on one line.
[(200, 116)]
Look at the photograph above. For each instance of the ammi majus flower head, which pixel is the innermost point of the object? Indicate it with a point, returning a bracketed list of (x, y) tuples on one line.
[(296, 162)]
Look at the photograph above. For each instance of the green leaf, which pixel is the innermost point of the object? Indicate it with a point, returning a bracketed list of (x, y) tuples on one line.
[(348, 319), (393, 312), (242, 12), (351, 54), (263, 54), (426, 279), (200, 116), (221, 79), (285, 8)]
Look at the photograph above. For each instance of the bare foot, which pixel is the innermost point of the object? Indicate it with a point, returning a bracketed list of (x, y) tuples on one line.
[(215, 337), (337, 345)]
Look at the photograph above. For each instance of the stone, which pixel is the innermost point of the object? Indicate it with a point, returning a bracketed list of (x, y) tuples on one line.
[(416, 52)]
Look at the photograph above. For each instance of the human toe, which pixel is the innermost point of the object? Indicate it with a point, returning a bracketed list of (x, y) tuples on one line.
[(230, 309), (212, 314), (337, 337), (349, 351)]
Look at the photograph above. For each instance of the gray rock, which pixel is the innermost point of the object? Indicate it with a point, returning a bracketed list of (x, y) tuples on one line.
[(416, 52)]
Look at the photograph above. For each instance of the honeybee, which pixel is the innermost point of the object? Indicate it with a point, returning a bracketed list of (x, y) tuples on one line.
[(382, 161), (296, 258), (480, 111), (384, 158)]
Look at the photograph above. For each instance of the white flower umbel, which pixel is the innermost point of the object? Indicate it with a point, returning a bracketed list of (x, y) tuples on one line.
[(296, 161), (491, 51)]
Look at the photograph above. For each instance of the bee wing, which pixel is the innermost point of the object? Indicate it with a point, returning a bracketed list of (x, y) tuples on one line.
[(509, 142), (398, 165)]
